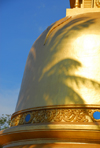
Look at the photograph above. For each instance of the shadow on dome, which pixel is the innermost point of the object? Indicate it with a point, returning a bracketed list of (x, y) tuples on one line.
[(55, 85)]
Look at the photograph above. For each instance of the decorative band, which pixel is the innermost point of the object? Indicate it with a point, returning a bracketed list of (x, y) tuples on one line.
[(57, 115), (70, 106)]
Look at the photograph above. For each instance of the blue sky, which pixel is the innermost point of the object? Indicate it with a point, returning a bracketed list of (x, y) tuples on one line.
[(21, 22)]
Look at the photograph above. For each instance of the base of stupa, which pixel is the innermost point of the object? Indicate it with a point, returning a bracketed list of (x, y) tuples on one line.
[(70, 135), (58, 145)]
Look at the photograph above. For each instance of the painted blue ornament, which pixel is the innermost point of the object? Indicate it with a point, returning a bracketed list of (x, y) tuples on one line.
[(27, 118), (96, 115)]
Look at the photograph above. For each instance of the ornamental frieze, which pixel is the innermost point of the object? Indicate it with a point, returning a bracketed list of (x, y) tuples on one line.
[(57, 115)]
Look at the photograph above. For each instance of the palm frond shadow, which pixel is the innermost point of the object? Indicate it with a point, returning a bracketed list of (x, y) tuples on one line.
[(62, 92), (70, 28), (67, 32), (64, 71), (55, 77)]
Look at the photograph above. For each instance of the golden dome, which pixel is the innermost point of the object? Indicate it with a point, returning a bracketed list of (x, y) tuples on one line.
[(63, 65)]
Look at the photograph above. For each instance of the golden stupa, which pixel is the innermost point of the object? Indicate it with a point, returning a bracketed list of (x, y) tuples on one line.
[(59, 99)]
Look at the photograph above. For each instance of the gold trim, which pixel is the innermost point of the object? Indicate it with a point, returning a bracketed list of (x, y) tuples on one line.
[(86, 132), (72, 106), (46, 141), (52, 115), (59, 145)]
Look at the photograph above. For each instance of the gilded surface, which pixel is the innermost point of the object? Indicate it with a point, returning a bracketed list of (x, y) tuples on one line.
[(66, 69), (56, 115), (98, 3)]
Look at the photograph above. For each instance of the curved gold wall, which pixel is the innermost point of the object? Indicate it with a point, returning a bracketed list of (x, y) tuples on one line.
[(63, 66)]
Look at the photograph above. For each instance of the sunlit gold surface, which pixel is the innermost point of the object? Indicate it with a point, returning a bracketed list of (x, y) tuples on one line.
[(77, 11), (85, 4), (76, 3), (86, 133), (66, 69), (58, 145), (50, 143)]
